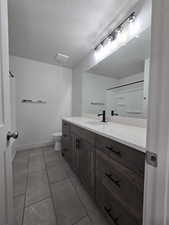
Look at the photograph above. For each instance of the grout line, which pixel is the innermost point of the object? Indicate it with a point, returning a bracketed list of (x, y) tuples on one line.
[(19, 195), (82, 204), (36, 202), (50, 189), (79, 220), (68, 178), (23, 214)]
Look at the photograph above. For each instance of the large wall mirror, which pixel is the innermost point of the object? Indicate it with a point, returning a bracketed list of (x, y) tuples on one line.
[(119, 83)]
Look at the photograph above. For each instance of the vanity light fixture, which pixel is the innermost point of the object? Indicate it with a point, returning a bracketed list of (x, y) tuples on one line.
[(99, 47), (117, 33), (132, 18)]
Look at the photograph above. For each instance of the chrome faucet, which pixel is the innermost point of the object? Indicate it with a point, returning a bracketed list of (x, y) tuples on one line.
[(103, 114)]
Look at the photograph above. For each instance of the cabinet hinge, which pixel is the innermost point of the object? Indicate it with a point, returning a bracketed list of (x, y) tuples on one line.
[(152, 159)]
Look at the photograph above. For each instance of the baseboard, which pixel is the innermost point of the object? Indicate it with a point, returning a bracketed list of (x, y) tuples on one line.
[(30, 146)]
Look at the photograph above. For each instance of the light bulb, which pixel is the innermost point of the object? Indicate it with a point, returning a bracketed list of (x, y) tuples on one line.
[(122, 38), (134, 29)]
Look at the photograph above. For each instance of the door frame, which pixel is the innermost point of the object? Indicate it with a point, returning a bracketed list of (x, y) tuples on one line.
[(157, 179), (4, 58)]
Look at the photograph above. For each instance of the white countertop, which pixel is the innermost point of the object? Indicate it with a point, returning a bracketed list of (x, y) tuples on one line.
[(132, 136)]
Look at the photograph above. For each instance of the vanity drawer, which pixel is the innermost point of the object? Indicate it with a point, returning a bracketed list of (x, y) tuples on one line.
[(120, 181), (114, 211), (83, 133), (127, 156), (65, 128)]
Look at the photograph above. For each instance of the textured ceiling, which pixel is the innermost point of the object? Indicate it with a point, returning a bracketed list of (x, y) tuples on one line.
[(38, 29), (128, 60)]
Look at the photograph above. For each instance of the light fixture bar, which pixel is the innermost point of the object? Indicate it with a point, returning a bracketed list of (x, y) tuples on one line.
[(112, 35)]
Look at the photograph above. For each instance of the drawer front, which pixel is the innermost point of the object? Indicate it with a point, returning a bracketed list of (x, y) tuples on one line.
[(66, 142), (83, 133), (65, 128), (121, 182), (123, 154), (115, 212)]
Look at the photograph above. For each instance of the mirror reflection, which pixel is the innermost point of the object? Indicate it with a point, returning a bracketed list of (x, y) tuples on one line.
[(119, 83)]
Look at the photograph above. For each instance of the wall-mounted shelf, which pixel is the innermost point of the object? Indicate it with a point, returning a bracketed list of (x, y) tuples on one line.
[(33, 101), (124, 85), (97, 103)]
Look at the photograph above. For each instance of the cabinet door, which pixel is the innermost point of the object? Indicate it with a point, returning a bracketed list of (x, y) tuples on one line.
[(75, 153), (86, 164), (67, 149)]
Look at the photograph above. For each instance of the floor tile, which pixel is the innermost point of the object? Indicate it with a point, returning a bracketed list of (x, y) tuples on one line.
[(22, 154), (36, 151), (48, 148), (85, 198), (89, 204), (36, 162), (70, 173), (84, 221), (57, 172), (51, 156), (97, 218), (38, 188), (68, 207), (20, 167), (19, 208), (40, 213), (19, 183)]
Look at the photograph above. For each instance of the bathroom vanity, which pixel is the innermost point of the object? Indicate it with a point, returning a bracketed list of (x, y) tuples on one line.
[(109, 160)]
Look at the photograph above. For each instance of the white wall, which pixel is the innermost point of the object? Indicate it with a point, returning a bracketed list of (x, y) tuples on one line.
[(94, 90), (40, 81), (76, 94)]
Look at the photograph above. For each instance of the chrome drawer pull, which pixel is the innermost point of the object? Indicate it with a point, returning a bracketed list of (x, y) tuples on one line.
[(108, 211), (116, 182), (118, 153)]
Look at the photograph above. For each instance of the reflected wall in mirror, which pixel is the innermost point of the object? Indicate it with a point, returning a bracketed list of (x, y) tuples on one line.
[(119, 83)]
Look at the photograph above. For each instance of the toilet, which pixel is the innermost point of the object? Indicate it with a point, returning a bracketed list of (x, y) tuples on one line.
[(57, 141)]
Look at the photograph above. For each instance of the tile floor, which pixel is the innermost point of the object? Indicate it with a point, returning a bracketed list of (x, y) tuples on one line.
[(47, 192)]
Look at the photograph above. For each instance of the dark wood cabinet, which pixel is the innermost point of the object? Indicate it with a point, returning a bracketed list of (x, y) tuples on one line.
[(120, 182), (111, 172), (127, 156), (84, 156), (67, 143), (114, 210), (86, 164)]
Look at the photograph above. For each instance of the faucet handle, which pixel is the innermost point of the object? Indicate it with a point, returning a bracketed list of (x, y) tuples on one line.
[(113, 113)]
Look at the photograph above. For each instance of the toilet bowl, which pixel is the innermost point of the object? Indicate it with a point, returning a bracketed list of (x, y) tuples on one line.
[(57, 141)]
